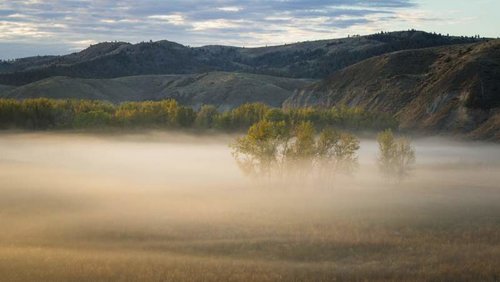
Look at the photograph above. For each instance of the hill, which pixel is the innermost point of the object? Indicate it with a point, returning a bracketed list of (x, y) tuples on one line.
[(315, 59), (225, 90), (5, 88), (452, 89)]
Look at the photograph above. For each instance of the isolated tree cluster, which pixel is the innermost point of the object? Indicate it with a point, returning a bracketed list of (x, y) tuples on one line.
[(277, 149)]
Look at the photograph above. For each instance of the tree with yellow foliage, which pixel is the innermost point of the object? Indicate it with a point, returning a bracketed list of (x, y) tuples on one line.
[(396, 155)]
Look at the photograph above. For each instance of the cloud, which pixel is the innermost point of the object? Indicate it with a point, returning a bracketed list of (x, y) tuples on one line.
[(193, 22), (229, 9), (174, 19)]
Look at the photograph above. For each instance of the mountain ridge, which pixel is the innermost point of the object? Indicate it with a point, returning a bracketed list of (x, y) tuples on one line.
[(310, 59)]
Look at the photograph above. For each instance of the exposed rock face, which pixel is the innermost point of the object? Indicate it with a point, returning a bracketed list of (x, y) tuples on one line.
[(454, 88)]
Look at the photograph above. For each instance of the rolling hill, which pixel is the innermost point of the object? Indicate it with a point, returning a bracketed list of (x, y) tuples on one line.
[(225, 90), (452, 89), (314, 59), (5, 88), (431, 82)]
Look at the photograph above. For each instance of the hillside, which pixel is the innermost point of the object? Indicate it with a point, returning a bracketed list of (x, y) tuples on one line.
[(452, 89), (225, 90), (315, 59), (5, 88)]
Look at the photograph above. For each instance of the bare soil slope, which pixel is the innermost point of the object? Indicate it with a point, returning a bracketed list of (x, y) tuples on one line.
[(454, 88)]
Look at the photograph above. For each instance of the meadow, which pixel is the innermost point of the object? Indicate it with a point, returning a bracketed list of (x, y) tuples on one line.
[(175, 207)]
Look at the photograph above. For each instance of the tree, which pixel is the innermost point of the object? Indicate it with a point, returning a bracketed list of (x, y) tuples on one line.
[(337, 152), (345, 153), (206, 116), (92, 119), (38, 113), (304, 147), (44, 113), (275, 115), (300, 153), (396, 155), (405, 157), (247, 114), (184, 116), (272, 148), (328, 138), (386, 147), (260, 151)]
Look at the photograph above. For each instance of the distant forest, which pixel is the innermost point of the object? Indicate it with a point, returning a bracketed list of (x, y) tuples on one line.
[(43, 114)]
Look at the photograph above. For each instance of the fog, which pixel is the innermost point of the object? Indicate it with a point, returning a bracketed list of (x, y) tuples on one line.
[(156, 206)]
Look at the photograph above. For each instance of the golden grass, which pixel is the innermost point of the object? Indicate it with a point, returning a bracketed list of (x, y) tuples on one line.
[(67, 219)]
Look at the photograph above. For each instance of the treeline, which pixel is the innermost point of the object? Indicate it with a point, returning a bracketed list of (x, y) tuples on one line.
[(42, 113), (244, 116)]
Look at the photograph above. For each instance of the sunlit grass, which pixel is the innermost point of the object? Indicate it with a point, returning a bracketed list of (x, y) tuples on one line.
[(77, 208)]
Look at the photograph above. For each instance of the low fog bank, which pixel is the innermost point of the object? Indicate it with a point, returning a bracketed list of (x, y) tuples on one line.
[(166, 160), (191, 163), (183, 195)]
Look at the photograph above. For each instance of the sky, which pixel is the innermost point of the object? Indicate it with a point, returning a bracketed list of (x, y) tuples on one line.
[(55, 27)]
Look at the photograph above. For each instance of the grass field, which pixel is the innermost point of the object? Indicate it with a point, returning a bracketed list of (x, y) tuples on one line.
[(156, 207)]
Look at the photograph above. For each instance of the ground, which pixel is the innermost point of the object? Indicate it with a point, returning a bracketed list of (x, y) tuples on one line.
[(79, 207)]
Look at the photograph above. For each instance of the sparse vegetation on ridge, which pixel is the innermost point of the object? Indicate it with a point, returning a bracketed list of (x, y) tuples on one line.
[(312, 59)]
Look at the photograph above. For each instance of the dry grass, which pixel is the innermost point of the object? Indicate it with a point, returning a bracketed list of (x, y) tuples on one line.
[(83, 209)]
